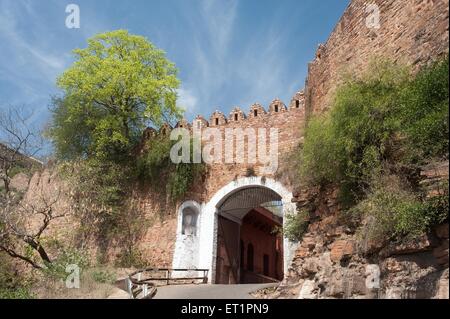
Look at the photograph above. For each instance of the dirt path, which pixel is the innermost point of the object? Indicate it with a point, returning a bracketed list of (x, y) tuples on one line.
[(209, 291)]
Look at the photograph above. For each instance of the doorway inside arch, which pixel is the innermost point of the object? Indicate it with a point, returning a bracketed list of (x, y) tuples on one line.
[(249, 239)]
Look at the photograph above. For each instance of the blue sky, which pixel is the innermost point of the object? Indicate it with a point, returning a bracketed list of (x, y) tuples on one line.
[(229, 52)]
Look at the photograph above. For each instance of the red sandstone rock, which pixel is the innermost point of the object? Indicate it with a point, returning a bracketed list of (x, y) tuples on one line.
[(341, 249), (20, 182), (423, 243), (309, 243), (302, 252), (393, 265), (436, 170)]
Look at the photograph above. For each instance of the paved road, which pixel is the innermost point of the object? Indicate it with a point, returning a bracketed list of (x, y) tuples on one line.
[(209, 291)]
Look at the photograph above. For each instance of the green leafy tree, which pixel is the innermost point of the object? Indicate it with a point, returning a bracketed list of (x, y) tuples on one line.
[(118, 85)]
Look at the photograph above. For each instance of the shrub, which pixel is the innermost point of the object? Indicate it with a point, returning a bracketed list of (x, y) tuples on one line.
[(385, 118), (181, 179), (16, 293), (103, 183), (387, 122), (103, 276), (347, 146), (396, 212), (296, 225), (57, 269), (12, 284), (155, 165), (130, 258), (156, 158), (424, 112), (318, 164)]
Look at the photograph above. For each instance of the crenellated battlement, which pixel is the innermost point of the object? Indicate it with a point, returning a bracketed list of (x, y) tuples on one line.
[(238, 117)]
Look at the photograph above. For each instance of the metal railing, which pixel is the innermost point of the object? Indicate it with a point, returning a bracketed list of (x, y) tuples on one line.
[(140, 286)]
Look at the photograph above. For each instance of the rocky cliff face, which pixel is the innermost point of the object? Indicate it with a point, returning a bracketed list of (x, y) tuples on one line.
[(333, 262)]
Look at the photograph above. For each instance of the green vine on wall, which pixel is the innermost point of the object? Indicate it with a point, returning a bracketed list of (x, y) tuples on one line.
[(156, 167)]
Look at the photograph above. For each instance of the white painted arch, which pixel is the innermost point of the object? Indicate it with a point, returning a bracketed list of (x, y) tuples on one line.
[(187, 246), (205, 247)]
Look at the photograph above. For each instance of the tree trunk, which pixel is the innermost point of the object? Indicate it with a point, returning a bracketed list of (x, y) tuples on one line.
[(41, 251), (6, 184), (15, 255)]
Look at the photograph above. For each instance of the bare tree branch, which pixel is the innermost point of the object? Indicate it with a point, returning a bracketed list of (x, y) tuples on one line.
[(16, 255), (19, 142), (22, 222), (15, 228)]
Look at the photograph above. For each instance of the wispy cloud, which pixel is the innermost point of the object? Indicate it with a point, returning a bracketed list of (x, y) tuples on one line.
[(34, 52), (26, 54), (229, 52), (219, 17), (187, 101), (254, 69), (211, 50)]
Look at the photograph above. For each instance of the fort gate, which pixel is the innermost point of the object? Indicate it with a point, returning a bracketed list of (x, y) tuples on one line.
[(232, 224)]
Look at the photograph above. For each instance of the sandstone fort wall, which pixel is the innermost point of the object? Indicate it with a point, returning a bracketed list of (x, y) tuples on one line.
[(410, 31)]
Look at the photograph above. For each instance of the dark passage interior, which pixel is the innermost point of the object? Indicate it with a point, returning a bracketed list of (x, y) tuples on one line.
[(261, 247), (249, 242)]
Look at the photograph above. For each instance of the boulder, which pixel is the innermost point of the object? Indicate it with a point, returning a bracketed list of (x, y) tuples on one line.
[(302, 252), (346, 283), (308, 242), (20, 182), (394, 293), (341, 249), (392, 265), (308, 290), (423, 243), (442, 291), (310, 266)]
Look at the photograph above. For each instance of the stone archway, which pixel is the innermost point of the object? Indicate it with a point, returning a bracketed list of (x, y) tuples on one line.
[(202, 253), (249, 246), (210, 219)]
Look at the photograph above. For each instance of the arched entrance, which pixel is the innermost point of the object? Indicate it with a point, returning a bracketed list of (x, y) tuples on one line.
[(249, 241), (249, 202)]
